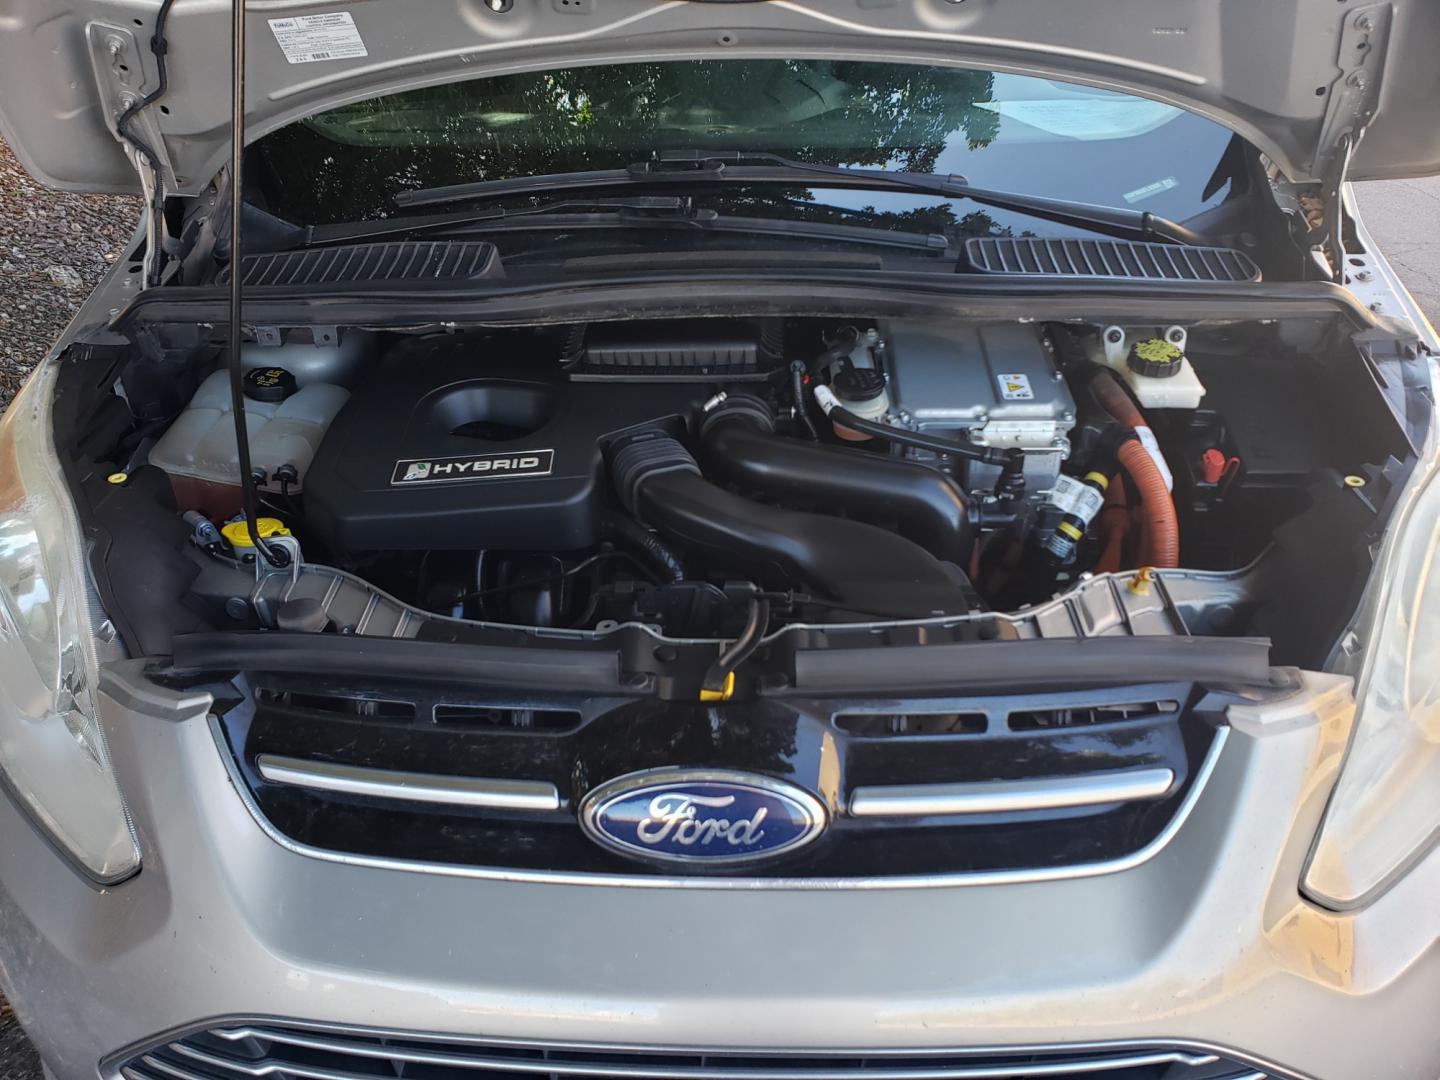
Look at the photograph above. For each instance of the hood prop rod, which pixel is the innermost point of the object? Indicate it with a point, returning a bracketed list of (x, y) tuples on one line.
[(274, 555)]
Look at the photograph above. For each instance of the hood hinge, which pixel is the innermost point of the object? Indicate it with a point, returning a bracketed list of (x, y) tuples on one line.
[(119, 62), (1364, 37)]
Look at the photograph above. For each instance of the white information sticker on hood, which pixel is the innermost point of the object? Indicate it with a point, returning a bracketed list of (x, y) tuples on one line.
[(308, 38)]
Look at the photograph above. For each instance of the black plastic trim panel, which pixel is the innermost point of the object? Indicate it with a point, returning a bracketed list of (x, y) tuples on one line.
[(431, 262), (1128, 260)]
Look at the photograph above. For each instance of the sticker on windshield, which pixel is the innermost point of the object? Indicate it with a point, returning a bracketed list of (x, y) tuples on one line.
[(1015, 387), (308, 38), (1149, 191)]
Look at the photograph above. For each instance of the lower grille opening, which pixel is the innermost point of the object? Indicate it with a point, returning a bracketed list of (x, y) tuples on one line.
[(275, 1050)]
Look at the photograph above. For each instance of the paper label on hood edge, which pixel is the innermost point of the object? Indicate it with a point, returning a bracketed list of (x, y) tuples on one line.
[(306, 39)]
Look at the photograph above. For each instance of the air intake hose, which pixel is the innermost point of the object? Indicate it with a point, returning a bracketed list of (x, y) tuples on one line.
[(856, 567), (741, 445)]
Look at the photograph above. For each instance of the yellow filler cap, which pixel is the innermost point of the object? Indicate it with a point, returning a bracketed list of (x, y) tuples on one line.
[(239, 535)]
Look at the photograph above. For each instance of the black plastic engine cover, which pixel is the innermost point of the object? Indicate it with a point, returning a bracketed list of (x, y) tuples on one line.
[(446, 447)]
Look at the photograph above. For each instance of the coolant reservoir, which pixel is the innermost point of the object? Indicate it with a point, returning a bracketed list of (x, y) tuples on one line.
[(199, 453)]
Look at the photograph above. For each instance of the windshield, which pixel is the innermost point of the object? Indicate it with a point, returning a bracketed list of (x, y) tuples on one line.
[(1013, 132)]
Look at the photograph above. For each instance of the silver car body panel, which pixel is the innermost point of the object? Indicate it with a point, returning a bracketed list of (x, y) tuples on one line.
[(1207, 943), (1294, 77)]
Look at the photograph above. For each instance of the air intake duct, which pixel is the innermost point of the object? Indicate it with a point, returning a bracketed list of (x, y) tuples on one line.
[(741, 446), (858, 568)]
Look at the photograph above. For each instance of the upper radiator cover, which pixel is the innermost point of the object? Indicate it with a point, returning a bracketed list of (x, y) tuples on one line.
[(1101, 258)]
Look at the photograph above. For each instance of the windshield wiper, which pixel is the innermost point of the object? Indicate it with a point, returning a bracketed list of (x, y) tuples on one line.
[(652, 212), (745, 167)]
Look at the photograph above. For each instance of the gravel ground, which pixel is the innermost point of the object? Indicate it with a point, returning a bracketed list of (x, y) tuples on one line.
[(53, 250)]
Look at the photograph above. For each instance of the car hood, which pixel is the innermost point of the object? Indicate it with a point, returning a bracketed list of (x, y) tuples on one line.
[(1294, 77)]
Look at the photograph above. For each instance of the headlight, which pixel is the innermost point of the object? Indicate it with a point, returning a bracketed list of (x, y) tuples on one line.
[(1385, 811), (52, 754)]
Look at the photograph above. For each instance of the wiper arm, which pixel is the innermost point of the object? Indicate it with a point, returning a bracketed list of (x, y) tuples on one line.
[(350, 231), (645, 212), (745, 167)]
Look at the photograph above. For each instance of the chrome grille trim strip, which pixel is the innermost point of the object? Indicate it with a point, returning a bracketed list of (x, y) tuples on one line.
[(1011, 796), (472, 791), (914, 881)]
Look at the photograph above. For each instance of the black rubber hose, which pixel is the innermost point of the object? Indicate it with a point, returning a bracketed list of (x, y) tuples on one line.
[(859, 567), (655, 552), (159, 46), (928, 506), (936, 444), (802, 402), (717, 677)]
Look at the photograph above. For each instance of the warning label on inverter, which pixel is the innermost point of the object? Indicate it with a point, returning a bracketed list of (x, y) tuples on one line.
[(308, 38)]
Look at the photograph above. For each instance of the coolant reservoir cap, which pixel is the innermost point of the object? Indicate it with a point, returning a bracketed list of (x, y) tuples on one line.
[(858, 384), (239, 535), (269, 384), (1155, 358)]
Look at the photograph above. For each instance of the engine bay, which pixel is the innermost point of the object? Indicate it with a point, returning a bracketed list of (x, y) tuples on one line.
[(723, 479)]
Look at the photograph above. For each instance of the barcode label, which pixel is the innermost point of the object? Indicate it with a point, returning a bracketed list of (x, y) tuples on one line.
[(307, 38)]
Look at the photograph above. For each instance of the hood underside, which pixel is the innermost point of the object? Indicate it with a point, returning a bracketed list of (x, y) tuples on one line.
[(1291, 76)]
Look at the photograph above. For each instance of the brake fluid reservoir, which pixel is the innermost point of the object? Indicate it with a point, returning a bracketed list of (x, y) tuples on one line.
[(859, 383), (198, 451), (1155, 367)]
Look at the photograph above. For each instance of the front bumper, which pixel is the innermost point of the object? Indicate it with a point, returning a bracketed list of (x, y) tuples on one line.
[(1206, 944)]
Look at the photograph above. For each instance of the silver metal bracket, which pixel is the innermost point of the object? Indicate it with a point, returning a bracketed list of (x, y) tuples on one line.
[(264, 571), (1355, 93), (123, 66)]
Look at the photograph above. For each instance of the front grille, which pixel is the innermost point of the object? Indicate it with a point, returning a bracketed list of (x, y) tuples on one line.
[(922, 788), (313, 1054)]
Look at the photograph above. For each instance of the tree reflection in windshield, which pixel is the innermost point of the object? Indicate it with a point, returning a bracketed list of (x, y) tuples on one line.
[(347, 164)]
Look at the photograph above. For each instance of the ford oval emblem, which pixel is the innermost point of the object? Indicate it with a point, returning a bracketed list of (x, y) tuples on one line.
[(701, 817)]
